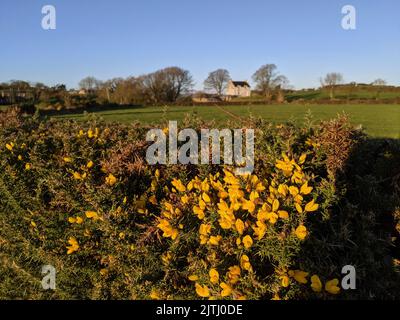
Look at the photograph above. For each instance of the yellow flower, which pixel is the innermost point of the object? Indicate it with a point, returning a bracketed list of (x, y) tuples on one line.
[(19, 157), (331, 286), (249, 205), (311, 206), (275, 205), (302, 158), (316, 284), (283, 189), (284, 281), (298, 208), (111, 180), (28, 166), (233, 274), (214, 240), (89, 164), (185, 199), (305, 189), (77, 176), (67, 159), (225, 223), (155, 295), (205, 229), (199, 212), (92, 215), (239, 226), (74, 246), (283, 214), (226, 289), (178, 185), (193, 277), (71, 220), (245, 263), (301, 232), (299, 276), (214, 276), (260, 229), (247, 242), (10, 146), (202, 291), (294, 191), (79, 220), (206, 198), (169, 231)]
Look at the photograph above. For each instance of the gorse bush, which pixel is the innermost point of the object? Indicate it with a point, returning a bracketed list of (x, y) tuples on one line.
[(81, 197)]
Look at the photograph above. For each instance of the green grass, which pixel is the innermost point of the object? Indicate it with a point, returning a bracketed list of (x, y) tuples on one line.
[(378, 120)]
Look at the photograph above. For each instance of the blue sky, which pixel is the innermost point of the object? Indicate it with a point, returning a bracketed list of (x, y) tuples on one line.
[(114, 38)]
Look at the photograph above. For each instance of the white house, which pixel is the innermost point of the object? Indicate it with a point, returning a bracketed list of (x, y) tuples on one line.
[(238, 89)]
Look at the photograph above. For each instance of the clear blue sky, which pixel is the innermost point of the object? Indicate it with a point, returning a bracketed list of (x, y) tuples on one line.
[(114, 38)]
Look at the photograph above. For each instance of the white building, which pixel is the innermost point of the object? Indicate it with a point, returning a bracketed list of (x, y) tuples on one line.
[(238, 89)]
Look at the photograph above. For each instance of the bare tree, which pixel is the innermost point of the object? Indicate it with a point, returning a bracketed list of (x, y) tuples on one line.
[(89, 84), (268, 79), (167, 85), (379, 82), (331, 80), (217, 81)]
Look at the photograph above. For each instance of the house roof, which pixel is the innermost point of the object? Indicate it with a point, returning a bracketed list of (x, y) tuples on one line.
[(240, 84)]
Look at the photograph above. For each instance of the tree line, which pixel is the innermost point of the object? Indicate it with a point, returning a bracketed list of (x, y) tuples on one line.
[(165, 86)]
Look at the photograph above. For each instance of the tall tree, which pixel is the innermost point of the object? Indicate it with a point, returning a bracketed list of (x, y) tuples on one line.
[(167, 85), (217, 81), (89, 84), (268, 79), (331, 80)]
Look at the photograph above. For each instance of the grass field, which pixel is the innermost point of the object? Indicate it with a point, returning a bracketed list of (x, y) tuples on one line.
[(378, 120)]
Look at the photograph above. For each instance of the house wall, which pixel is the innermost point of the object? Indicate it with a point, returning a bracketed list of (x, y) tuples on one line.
[(238, 91)]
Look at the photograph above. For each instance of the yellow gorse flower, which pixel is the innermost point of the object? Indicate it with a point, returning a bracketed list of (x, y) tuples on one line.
[(214, 276), (247, 242), (311, 206), (285, 281), (226, 289), (73, 247), (178, 185), (245, 263), (316, 284), (332, 287), (202, 291), (299, 276), (301, 232), (92, 215), (239, 226), (111, 180), (169, 231), (233, 274)]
